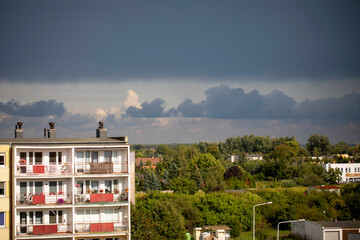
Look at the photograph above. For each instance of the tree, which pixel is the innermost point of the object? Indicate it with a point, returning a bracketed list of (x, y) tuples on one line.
[(234, 171), (151, 182), (320, 142), (183, 185), (214, 180), (173, 171)]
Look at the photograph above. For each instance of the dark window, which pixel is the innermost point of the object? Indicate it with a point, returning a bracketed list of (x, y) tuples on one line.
[(38, 158), (52, 156), (2, 160)]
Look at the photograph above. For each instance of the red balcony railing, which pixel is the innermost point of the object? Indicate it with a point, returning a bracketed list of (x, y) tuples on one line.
[(117, 197), (101, 168), (64, 169), (43, 229), (101, 227), (52, 198)]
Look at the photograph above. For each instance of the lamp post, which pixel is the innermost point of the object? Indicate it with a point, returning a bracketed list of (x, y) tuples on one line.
[(290, 221), (260, 204)]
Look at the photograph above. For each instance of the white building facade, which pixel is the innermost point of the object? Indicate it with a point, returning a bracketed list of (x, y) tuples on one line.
[(71, 188), (350, 172)]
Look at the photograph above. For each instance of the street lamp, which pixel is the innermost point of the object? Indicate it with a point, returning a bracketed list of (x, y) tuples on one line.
[(260, 204), (290, 221)]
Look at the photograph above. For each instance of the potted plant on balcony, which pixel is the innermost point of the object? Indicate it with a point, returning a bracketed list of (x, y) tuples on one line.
[(101, 190), (22, 162)]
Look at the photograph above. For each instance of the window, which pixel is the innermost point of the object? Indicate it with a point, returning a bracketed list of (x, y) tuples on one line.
[(52, 156), (2, 189), (115, 185), (108, 186), (60, 157), (94, 186), (38, 158), (38, 217), (114, 156), (2, 159), (38, 187), (55, 216), (2, 219), (95, 157), (31, 158), (107, 155), (349, 169), (52, 187)]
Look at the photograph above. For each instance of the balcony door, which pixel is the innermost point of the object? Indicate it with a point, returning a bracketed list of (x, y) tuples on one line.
[(23, 191)]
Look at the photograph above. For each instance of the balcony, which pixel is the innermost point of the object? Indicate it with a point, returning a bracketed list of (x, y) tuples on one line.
[(42, 229), (26, 170), (52, 198), (101, 168), (101, 227), (118, 197)]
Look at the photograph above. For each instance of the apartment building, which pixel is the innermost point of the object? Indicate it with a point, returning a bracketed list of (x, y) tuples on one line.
[(73, 188), (5, 191)]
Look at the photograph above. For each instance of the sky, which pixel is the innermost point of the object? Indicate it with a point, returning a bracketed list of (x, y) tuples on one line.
[(181, 71)]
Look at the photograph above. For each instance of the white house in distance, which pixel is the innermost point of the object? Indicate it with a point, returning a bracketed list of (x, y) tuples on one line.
[(325, 230), (350, 172), (73, 188)]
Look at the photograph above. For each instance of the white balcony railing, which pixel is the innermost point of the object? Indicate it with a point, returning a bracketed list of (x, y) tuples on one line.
[(104, 226), (42, 229), (101, 168), (117, 197), (64, 169), (51, 198)]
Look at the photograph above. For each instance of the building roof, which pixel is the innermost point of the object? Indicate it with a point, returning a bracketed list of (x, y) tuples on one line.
[(339, 224), (153, 161), (62, 141), (326, 187), (216, 227)]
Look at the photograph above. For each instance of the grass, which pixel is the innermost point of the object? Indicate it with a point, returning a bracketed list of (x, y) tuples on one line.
[(284, 235)]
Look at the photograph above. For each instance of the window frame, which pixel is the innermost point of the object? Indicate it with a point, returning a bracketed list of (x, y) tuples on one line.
[(2, 154), (3, 195), (4, 219)]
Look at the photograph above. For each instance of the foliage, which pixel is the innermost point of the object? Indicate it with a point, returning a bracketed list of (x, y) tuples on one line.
[(183, 185), (318, 145), (151, 182)]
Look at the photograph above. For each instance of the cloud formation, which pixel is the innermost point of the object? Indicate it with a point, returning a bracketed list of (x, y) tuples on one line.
[(35, 109), (154, 109), (223, 102)]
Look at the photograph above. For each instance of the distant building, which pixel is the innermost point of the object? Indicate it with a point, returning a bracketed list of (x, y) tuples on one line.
[(212, 232), (254, 157), (325, 188), (144, 161), (233, 158), (350, 172), (326, 230)]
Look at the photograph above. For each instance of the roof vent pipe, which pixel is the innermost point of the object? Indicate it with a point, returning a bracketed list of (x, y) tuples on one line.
[(52, 130), (19, 130), (101, 132)]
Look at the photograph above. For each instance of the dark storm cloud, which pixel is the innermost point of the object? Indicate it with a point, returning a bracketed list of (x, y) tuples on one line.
[(115, 40), (189, 109), (224, 102), (35, 109), (154, 109), (346, 107)]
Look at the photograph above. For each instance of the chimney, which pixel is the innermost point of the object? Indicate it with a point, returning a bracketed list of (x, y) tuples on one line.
[(101, 132), (19, 130), (52, 130)]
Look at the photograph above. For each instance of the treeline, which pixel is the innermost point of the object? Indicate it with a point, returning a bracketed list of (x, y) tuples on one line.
[(170, 216), (204, 166)]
